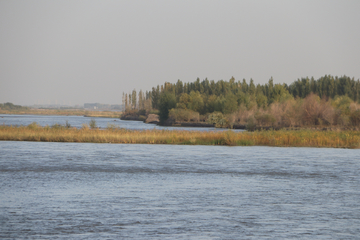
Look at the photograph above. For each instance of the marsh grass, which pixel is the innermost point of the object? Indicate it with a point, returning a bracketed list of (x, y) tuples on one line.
[(282, 138)]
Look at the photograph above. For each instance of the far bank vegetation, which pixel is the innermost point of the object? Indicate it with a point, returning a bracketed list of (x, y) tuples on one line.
[(10, 108), (328, 102)]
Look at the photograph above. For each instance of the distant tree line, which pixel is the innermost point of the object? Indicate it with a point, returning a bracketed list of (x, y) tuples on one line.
[(185, 100), (327, 86), (11, 106)]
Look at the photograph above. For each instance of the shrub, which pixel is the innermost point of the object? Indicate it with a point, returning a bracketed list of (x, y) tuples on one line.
[(142, 118), (184, 115), (242, 115), (316, 112), (250, 124), (142, 112), (92, 124), (264, 119), (355, 118), (67, 124), (290, 113), (342, 103), (218, 119)]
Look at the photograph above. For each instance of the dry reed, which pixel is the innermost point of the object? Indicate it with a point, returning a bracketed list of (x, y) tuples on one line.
[(282, 138)]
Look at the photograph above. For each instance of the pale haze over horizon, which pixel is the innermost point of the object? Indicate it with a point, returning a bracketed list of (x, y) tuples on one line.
[(75, 52)]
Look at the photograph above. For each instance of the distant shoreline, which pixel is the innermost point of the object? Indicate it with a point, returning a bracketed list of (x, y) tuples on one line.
[(63, 112)]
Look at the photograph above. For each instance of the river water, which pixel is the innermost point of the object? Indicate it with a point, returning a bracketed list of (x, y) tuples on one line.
[(122, 191), (77, 121)]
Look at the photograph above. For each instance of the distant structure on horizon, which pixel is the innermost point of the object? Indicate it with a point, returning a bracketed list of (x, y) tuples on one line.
[(55, 106), (99, 106)]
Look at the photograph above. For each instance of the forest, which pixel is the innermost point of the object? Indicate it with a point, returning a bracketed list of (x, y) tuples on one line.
[(327, 101)]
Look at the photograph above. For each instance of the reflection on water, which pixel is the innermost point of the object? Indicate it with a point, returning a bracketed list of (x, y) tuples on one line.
[(76, 190), (77, 121)]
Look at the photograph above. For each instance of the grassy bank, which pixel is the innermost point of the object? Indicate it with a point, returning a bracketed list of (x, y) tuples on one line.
[(303, 138), (64, 112)]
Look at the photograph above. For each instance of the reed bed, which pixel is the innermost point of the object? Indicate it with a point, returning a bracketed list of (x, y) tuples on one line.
[(282, 138)]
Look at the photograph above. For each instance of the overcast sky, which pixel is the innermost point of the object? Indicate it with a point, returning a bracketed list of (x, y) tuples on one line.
[(75, 52)]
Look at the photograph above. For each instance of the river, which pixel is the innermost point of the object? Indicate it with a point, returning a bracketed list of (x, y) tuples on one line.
[(122, 191), (77, 121)]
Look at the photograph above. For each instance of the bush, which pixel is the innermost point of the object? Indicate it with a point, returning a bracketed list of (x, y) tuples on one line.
[(137, 115), (184, 115), (287, 114), (342, 103), (250, 124), (142, 112), (316, 112), (264, 119), (67, 124), (218, 119), (92, 124), (355, 118), (142, 118)]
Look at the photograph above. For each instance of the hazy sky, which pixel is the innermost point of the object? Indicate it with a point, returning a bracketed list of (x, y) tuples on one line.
[(73, 52)]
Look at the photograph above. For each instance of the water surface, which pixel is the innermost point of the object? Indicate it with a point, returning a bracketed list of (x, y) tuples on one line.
[(102, 123), (92, 191)]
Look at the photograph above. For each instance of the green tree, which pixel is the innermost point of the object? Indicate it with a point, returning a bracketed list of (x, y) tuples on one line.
[(167, 102), (342, 103), (179, 89), (269, 88), (133, 99), (261, 100), (219, 103), (126, 102), (230, 103), (130, 101), (252, 87), (184, 100), (141, 100), (244, 86), (155, 97), (196, 101), (210, 103), (279, 94)]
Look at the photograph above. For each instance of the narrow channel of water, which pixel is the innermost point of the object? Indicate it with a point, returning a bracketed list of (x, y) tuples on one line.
[(77, 121)]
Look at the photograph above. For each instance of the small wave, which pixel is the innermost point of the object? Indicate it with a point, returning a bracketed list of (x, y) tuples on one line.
[(167, 170)]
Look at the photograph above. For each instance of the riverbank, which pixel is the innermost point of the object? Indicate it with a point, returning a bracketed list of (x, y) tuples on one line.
[(281, 138)]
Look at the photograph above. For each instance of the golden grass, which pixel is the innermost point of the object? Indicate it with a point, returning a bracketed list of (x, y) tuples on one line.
[(283, 138), (106, 114), (64, 112)]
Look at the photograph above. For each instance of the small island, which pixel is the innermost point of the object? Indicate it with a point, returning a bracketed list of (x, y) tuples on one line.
[(307, 113), (330, 103)]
